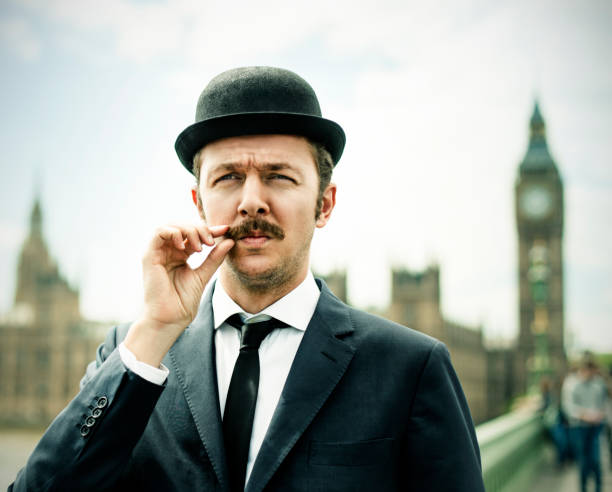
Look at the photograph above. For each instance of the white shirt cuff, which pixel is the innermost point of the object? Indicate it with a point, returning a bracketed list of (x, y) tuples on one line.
[(156, 375)]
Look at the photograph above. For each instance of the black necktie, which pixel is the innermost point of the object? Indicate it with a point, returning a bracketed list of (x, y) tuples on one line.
[(242, 397)]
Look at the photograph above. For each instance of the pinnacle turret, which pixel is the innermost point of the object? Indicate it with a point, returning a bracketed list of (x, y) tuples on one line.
[(538, 157), (36, 219)]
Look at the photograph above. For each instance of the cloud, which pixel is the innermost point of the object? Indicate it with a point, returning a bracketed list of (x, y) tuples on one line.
[(589, 215), (138, 32), (11, 235), (213, 33), (17, 35), (216, 34), (182, 30), (589, 330)]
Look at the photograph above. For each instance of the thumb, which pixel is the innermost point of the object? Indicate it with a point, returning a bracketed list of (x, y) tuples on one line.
[(213, 261)]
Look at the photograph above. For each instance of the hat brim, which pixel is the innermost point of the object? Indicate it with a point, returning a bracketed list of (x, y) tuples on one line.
[(317, 129)]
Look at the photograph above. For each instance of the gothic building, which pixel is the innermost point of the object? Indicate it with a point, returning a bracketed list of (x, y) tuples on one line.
[(539, 220), (45, 345)]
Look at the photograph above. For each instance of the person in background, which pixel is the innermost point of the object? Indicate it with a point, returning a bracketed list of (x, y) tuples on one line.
[(554, 420), (570, 380), (609, 415), (586, 416)]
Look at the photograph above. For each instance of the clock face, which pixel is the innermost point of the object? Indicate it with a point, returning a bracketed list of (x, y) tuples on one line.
[(536, 202)]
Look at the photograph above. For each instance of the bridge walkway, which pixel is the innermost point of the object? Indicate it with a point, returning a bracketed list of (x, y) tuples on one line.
[(552, 478), (518, 456)]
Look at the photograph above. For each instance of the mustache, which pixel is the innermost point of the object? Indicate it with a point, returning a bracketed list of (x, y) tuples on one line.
[(262, 226)]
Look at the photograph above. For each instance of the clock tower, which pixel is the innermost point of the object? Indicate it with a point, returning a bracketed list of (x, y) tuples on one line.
[(539, 219)]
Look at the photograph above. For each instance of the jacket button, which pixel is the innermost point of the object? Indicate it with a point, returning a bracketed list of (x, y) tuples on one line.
[(90, 422), (96, 412), (84, 431), (102, 401)]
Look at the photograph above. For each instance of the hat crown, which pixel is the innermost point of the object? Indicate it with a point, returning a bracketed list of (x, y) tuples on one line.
[(258, 101), (257, 90)]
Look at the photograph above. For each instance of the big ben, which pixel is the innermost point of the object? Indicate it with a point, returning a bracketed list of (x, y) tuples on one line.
[(539, 219)]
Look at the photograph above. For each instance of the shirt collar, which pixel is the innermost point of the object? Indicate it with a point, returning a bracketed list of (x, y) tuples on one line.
[(296, 308)]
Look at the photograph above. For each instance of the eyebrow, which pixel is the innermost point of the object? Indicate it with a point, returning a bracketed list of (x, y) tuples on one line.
[(265, 166)]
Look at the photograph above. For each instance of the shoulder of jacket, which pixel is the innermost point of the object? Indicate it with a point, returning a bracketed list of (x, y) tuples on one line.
[(377, 327)]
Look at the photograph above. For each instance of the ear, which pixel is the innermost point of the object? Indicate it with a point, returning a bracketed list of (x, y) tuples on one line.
[(196, 200), (327, 205)]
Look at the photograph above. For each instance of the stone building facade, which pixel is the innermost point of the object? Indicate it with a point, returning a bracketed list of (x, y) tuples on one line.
[(45, 344)]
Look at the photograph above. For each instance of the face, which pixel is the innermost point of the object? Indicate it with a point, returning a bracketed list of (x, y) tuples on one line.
[(269, 183)]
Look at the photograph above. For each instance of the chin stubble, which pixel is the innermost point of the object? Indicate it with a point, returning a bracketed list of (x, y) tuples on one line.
[(273, 278)]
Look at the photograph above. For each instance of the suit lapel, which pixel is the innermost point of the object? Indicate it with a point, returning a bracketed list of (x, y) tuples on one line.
[(319, 364), (193, 360)]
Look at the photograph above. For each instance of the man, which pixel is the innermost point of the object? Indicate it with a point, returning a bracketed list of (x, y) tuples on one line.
[(588, 400), (197, 395)]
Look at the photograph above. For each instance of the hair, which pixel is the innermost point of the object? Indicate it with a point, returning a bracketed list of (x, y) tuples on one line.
[(321, 156)]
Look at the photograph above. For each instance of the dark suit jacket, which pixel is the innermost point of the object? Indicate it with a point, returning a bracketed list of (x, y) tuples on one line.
[(368, 405)]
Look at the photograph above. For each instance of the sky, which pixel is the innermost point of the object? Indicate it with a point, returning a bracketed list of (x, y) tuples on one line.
[(435, 99)]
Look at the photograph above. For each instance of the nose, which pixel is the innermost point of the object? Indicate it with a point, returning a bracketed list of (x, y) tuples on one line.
[(253, 201)]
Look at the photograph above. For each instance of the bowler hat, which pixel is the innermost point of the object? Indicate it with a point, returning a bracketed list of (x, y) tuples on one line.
[(256, 101)]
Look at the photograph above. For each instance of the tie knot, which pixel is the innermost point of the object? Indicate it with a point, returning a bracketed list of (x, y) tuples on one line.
[(252, 334)]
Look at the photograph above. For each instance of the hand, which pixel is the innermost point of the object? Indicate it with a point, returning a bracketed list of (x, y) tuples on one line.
[(592, 416), (172, 289)]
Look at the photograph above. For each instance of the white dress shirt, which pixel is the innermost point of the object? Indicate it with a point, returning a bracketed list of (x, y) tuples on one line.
[(276, 352)]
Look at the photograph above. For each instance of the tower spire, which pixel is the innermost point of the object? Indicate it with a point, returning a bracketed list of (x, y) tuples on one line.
[(538, 157), (36, 218), (537, 125)]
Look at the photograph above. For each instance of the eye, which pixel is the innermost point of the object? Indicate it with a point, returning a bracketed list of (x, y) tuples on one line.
[(281, 177), (227, 177)]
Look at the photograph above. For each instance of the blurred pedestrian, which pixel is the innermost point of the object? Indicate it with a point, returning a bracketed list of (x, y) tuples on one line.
[(555, 424), (608, 418), (588, 400), (567, 388)]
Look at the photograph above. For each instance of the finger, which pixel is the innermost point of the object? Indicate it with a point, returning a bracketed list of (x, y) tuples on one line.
[(218, 230), (167, 234), (189, 249), (192, 242), (190, 235), (205, 235), (178, 240), (206, 270)]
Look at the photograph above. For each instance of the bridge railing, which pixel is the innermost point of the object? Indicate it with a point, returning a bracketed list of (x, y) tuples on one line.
[(511, 448)]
